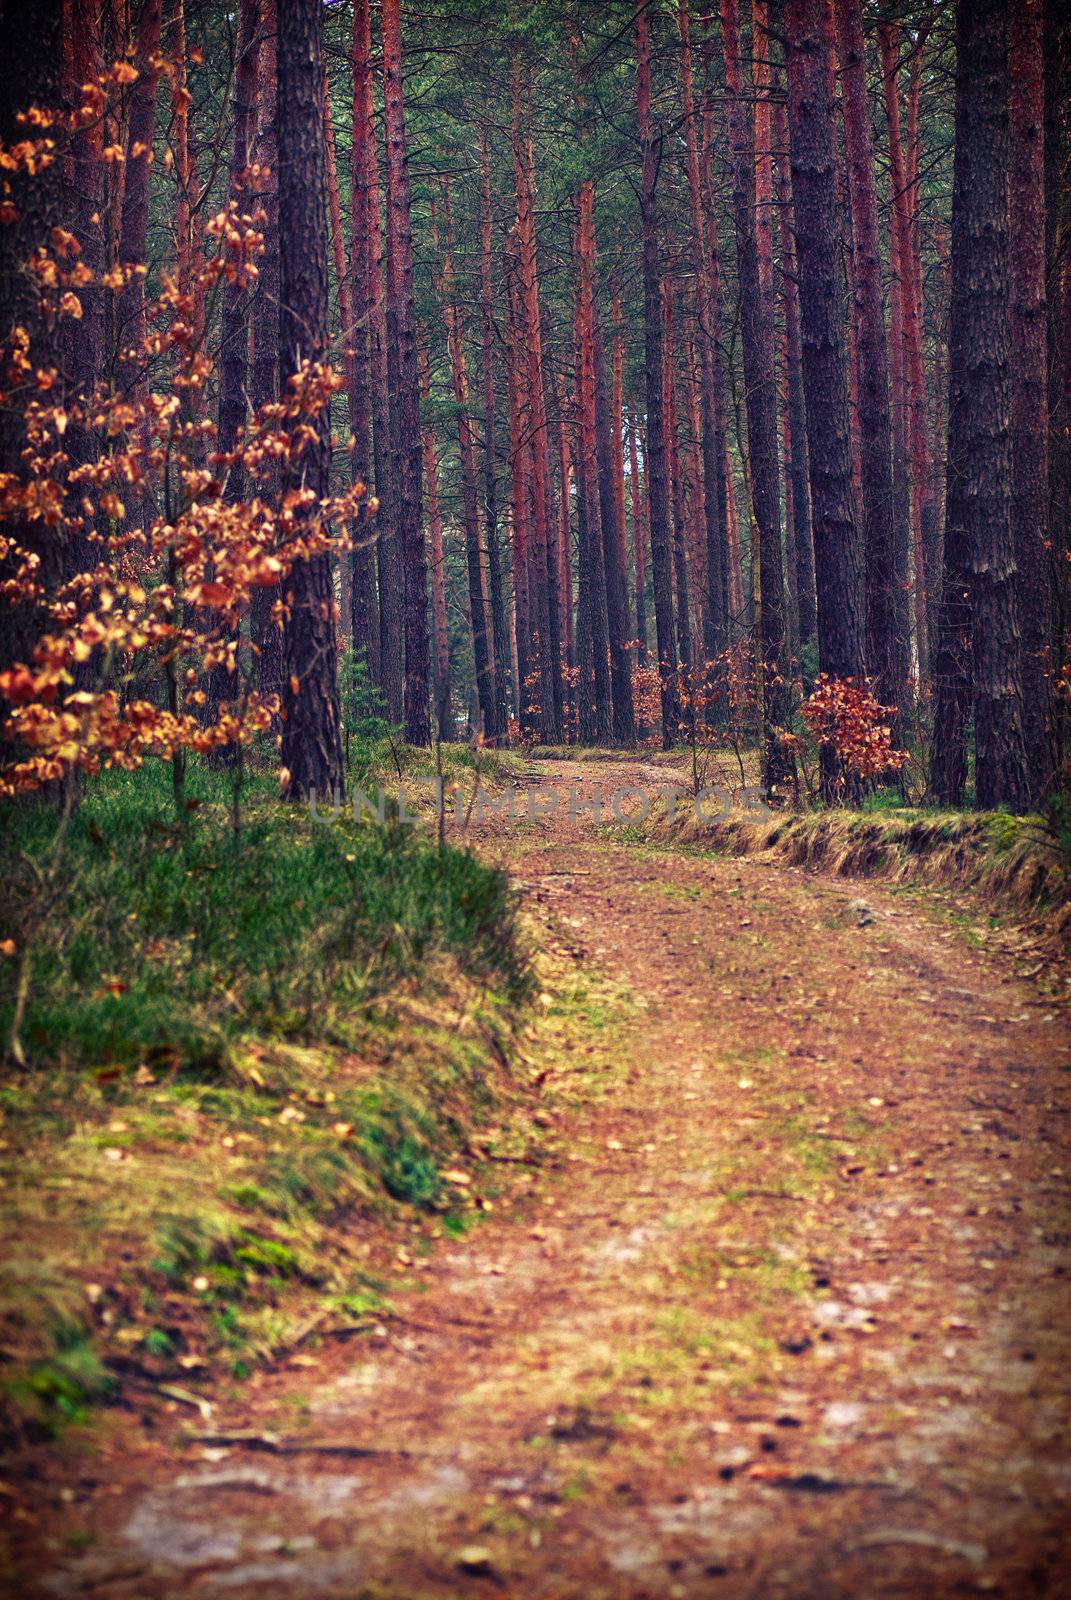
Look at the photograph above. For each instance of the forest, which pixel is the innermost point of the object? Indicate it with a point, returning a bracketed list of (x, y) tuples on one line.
[(520, 411)]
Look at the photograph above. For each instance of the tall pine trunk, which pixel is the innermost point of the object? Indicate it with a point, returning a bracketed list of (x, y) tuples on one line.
[(909, 287), (978, 612), (311, 743), (443, 715), (466, 442), (407, 396), (639, 543), (711, 401), (623, 723), (265, 632), (1029, 396), (799, 529), (370, 308), (885, 529), (760, 380), (542, 614), (499, 629), (655, 467), (823, 306)]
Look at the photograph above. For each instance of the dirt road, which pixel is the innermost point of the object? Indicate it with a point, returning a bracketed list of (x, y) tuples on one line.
[(787, 1316)]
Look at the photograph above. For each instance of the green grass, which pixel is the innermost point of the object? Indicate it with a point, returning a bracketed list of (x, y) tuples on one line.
[(170, 943), (241, 1057)]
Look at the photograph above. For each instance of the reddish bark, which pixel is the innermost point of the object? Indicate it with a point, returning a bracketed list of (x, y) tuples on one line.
[(543, 643), (655, 455), (400, 289), (795, 420), (264, 320), (756, 326), (563, 555), (593, 573), (623, 715), (499, 630), (736, 575), (682, 607), (885, 523), (443, 716), (760, 81), (617, 433), (710, 362), (369, 282), (520, 455), (718, 492)]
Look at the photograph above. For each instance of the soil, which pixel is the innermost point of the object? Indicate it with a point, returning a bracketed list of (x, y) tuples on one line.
[(783, 1314)]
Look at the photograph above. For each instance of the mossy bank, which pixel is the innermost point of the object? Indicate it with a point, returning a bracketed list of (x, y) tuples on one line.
[(241, 1058)]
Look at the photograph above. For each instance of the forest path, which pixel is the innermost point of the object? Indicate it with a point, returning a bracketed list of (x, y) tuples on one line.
[(786, 1316)]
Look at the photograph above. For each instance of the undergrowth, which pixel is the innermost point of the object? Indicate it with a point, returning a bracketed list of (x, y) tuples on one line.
[(236, 1051)]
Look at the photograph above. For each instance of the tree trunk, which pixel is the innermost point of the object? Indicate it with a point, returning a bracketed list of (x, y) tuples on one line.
[(84, 203), (443, 715), (714, 629), (681, 608), (407, 397), (352, 289), (129, 309), (825, 338), (639, 552), (617, 444), (264, 628), (723, 486), (499, 630), (234, 321), (31, 48), (565, 569), (593, 597), (655, 454), (520, 470), (978, 602), (1029, 393), (370, 307), (466, 442), (983, 432), (796, 466), (910, 285), (311, 744), (1057, 52), (760, 379), (885, 527), (544, 645), (189, 220), (234, 331), (623, 719)]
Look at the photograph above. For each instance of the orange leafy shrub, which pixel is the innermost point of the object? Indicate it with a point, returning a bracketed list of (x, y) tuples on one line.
[(130, 563), (844, 717)]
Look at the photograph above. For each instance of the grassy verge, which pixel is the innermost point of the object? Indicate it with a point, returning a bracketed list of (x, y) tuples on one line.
[(240, 1056), (1014, 862)]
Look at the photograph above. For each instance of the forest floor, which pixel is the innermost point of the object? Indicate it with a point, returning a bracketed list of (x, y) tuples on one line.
[(783, 1312)]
